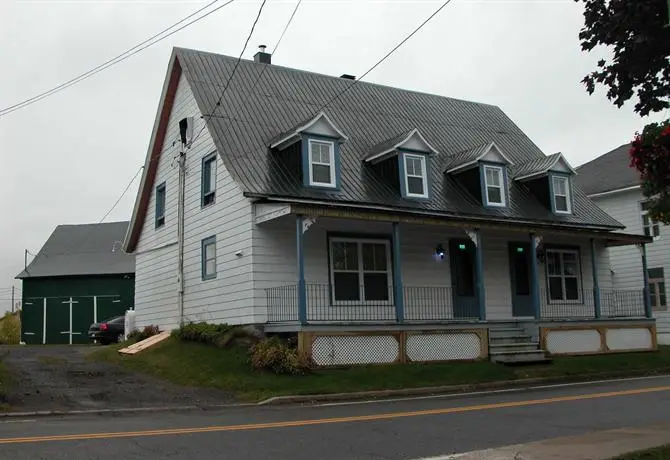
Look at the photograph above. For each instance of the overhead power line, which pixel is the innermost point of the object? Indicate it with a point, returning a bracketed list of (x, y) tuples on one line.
[(119, 58), (122, 195)]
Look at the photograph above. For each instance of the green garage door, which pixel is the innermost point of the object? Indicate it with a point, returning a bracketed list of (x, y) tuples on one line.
[(110, 307), (32, 318), (58, 320), (82, 318)]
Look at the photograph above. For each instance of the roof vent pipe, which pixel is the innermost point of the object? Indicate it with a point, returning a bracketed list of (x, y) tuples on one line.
[(262, 57)]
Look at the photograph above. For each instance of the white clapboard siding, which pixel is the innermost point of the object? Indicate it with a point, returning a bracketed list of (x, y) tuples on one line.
[(228, 298), (274, 249), (626, 262)]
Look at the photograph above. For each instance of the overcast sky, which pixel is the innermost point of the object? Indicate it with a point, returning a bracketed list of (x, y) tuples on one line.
[(67, 159)]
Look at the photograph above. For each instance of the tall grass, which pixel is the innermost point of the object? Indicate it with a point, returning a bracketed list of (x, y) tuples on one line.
[(10, 328)]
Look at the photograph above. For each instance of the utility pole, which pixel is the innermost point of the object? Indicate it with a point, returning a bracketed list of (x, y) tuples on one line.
[(186, 134), (12, 299)]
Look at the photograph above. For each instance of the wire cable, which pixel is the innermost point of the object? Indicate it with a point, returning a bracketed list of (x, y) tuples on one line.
[(274, 50), (117, 59), (122, 195)]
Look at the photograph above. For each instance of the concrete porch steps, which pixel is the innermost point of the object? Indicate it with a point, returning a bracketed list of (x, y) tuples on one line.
[(510, 344)]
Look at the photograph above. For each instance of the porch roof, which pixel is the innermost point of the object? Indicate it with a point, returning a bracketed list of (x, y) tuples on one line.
[(359, 212)]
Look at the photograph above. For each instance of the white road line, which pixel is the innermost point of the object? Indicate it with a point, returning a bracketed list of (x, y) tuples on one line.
[(489, 392), (17, 421)]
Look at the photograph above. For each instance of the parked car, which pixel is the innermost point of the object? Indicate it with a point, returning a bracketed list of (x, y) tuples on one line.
[(106, 332)]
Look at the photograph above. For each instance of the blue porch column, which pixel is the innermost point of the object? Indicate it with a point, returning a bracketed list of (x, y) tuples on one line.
[(645, 280), (398, 293), (534, 281), (479, 270), (596, 286), (302, 289)]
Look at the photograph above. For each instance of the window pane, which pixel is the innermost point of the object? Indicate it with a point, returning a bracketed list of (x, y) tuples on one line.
[(376, 286), (210, 267), (661, 289), (493, 176), (374, 256), (321, 174), (212, 176), (345, 255), (569, 268), (655, 273), (415, 185), (657, 231), (346, 286), (571, 288), (555, 288), (560, 186), (561, 203), (652, 294), (494, 195), (553, 263), (414, 166)]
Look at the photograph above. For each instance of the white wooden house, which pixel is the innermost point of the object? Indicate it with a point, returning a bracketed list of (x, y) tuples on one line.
[(614, 186), (378, 224)]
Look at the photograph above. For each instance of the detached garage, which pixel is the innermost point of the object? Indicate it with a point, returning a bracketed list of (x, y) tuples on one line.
[(80, 276)]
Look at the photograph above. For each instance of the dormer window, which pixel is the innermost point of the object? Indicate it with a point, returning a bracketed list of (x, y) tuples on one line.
[(312, 149), (561, 191), (494, 183), (404, 161), (416, 181), (321, 163), (482, 170)]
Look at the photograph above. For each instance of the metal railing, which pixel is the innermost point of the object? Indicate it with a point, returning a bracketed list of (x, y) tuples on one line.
[(614, 303), (553, 308), (622, 303)]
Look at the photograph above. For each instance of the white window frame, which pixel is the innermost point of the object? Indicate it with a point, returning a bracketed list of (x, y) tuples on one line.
[(501, 176), (652, 223), (423, 176), (331, 164), (656, 299), (361, 272), (561, 251), (568, 194), (209, 241)]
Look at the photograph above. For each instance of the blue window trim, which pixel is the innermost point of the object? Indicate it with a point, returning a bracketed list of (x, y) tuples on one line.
[(306, 161), (203, 264), (159, 221), (402, 175), (552, 197), (205, 160), (505, 184)]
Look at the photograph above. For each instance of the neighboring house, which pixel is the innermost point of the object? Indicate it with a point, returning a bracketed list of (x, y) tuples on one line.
[(378, 224), (612, 184), (81, 275)]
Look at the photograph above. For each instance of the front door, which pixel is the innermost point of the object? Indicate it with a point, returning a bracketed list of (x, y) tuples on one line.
[(463, 278), (520, 267)]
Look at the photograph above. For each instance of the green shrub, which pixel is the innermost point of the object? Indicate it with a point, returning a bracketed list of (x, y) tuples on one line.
[(10, 329), (209, 334), (148, 331), (274, 355)]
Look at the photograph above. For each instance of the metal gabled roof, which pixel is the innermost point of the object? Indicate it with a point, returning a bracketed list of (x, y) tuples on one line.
[(608, 172), (246, 122)]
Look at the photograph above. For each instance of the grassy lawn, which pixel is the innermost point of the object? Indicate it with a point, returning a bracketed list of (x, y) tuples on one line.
[(4, 383), (193, 364), (659, 453)]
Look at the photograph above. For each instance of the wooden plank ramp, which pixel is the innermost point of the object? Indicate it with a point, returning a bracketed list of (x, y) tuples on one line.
[(144, 344)]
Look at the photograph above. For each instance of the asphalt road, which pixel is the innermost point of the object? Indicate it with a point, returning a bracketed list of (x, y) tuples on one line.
[(404, 429)]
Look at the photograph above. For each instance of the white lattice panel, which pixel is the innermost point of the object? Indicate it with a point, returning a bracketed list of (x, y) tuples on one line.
[(629, 339), (332, 350), (580, 341), (443, 347)]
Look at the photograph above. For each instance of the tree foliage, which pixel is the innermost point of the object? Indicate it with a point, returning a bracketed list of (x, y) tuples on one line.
[(636, 33)]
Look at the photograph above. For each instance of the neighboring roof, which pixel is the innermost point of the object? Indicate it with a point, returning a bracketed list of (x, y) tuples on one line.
[(608, 172), (540, 166), (89, 249), (471, 156), (247, 121), (396, 142)]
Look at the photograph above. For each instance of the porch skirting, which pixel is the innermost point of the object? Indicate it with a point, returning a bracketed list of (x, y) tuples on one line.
[(598, 338), (340, 348)]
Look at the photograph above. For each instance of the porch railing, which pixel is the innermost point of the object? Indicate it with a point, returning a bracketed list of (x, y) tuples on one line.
[(421, 303), (614, 303)]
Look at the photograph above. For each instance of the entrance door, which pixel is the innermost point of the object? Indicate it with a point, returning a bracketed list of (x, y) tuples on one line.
[(463, 278), (32, 320), (520, 267)]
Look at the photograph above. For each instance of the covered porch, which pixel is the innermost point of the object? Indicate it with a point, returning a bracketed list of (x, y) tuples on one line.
[(363, 268)]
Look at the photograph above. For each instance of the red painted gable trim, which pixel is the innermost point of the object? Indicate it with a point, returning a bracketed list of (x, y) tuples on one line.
[(156, 150)]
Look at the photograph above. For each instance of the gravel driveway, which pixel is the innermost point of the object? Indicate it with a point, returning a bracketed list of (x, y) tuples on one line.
[(62, 378)]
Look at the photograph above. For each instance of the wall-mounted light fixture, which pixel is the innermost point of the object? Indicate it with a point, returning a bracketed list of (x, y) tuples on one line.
[(439, 251)]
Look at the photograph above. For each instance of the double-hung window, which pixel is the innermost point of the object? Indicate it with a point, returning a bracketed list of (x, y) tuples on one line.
[(360, 270), (321, 163), (649, 225), (208, 255), (209, 179), (563, 275), (160, 205), (494, 181), (416, 185), (561, 190), (657, 288)]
